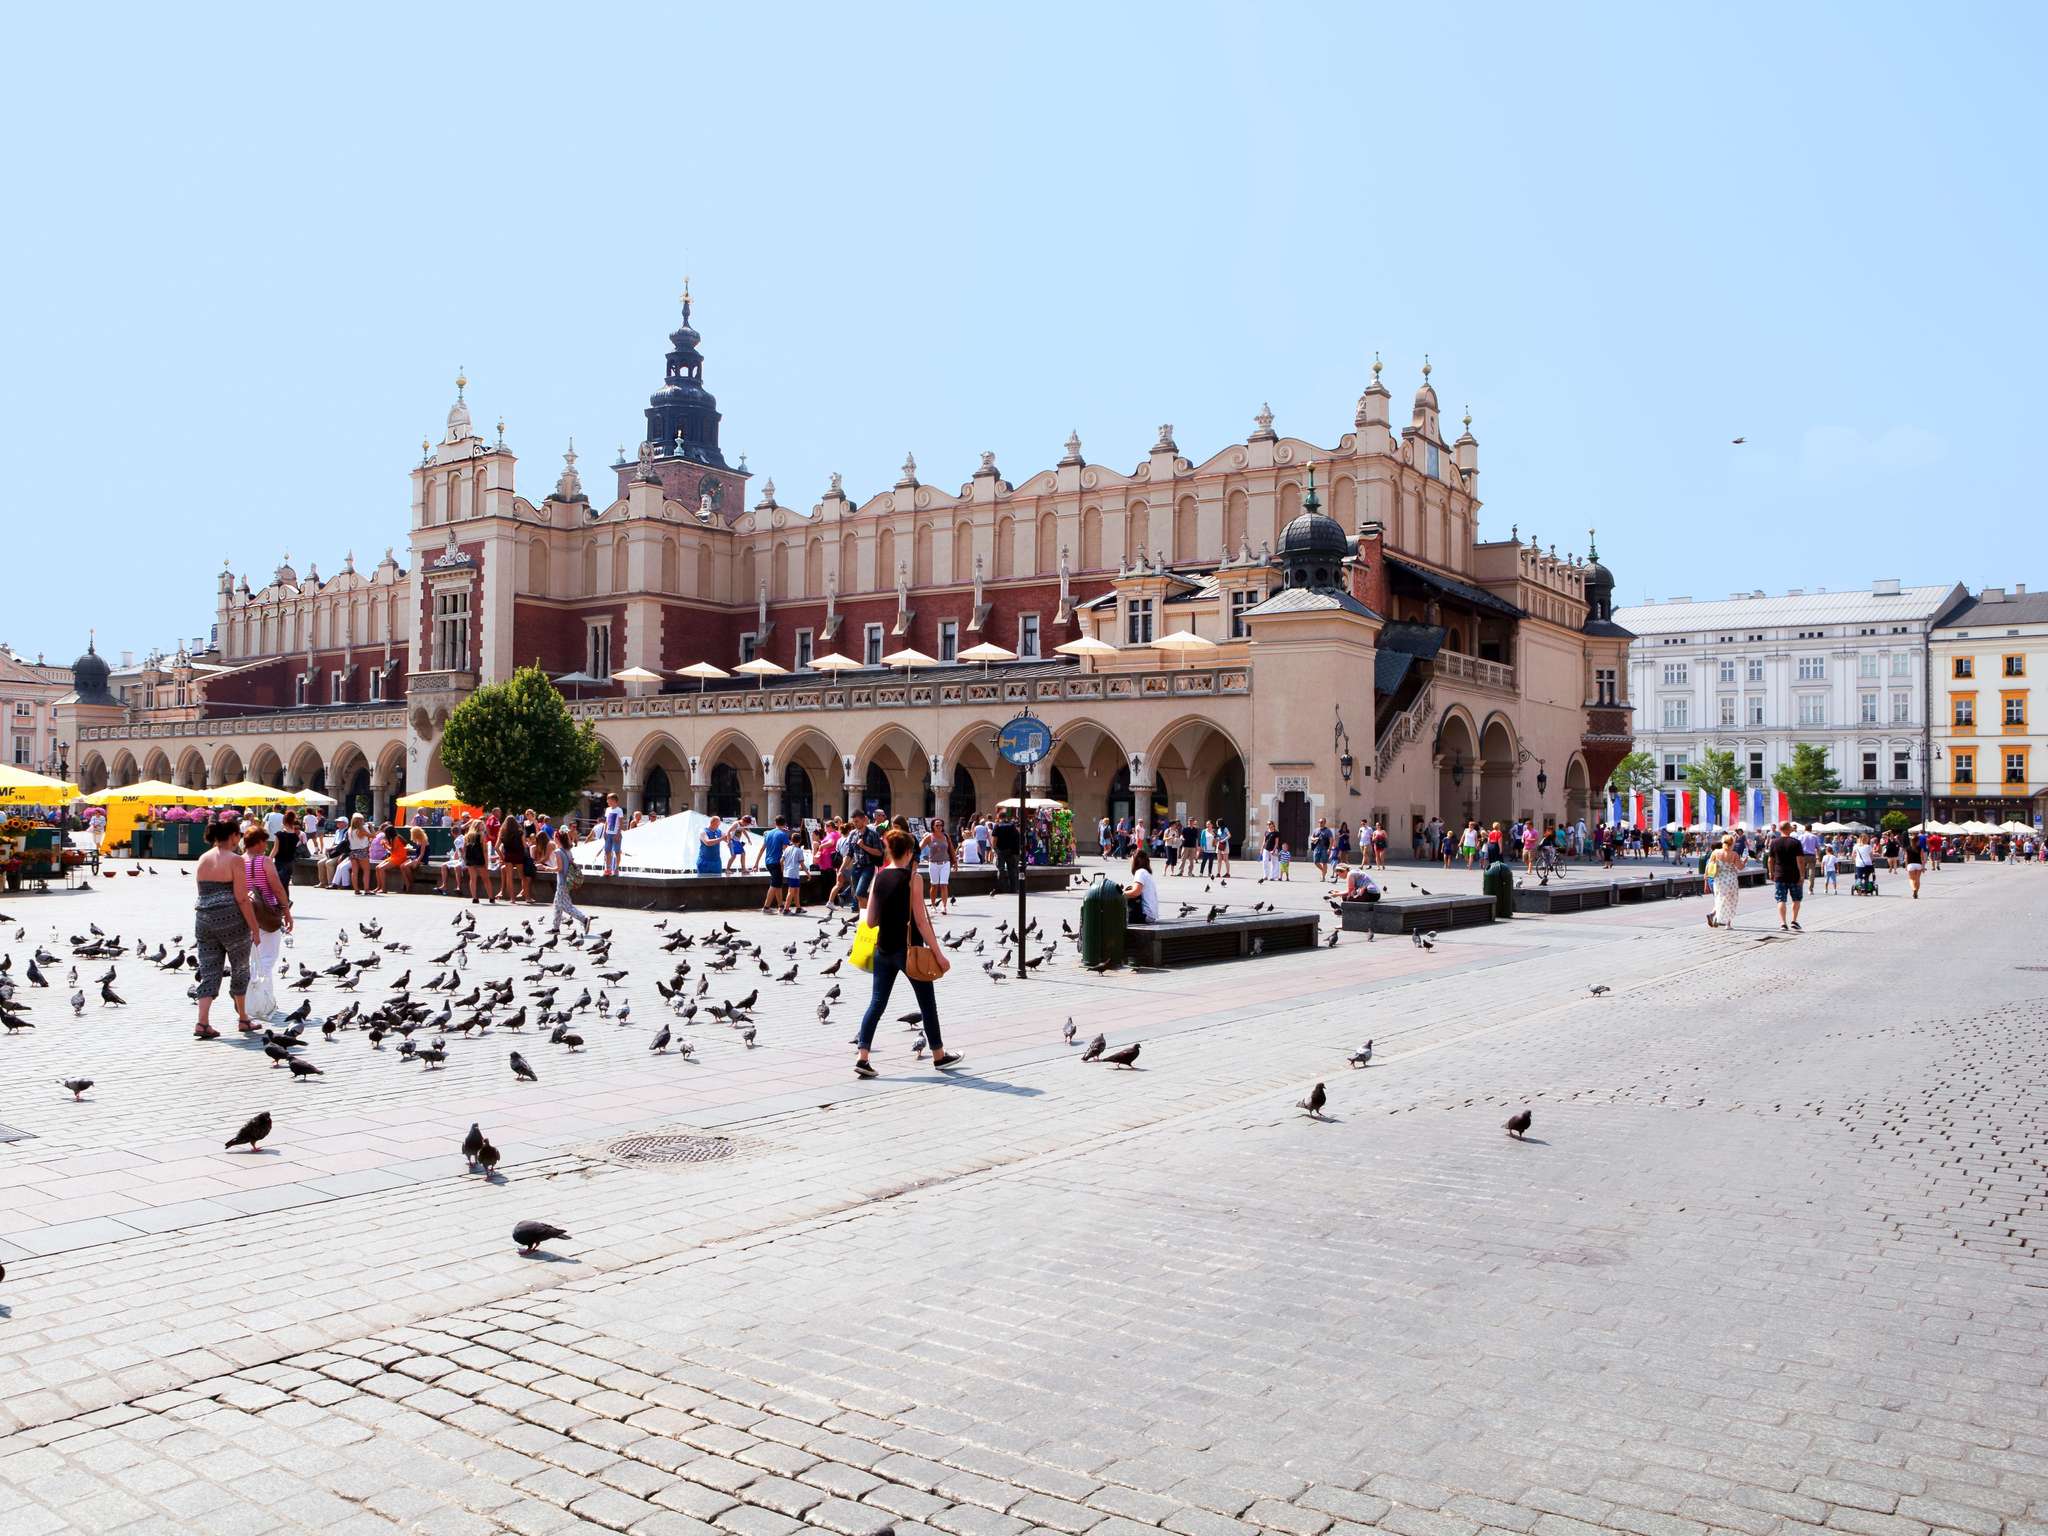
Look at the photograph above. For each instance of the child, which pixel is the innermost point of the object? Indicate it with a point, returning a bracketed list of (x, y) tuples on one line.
[(1827, 868), (792, 875), (1286, 862)]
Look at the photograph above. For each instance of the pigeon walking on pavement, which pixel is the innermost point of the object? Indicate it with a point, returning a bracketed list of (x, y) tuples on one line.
[(1517, 1124), (1314, 1103), (529, 1235), (257, 1129)]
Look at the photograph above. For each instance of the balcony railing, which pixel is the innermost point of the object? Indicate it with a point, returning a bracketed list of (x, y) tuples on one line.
[(283, 722), (1470, 669)]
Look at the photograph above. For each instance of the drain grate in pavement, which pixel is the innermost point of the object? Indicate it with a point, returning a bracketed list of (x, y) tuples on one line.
[(663, 1151)]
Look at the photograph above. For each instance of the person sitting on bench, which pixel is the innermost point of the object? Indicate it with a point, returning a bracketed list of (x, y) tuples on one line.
[(1357, 885), (1141, 896)]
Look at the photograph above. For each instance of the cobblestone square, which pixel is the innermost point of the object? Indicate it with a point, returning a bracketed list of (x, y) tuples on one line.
[(1766, 1259)]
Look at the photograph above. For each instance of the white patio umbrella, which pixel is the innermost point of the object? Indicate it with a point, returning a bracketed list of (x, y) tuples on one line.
[(636, 675), (1185, 642), (1087, 645), (909, 660), (834, 663), (761, 668), (985, 653), (703, 671)]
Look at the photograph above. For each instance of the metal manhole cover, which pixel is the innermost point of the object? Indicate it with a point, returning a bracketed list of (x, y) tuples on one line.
[(660, 1150)]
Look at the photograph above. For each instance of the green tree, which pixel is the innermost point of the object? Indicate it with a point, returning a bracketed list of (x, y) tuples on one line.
[(1894, 821), (1807, 780), (515, 744), (1714, 772), (1636, 772)]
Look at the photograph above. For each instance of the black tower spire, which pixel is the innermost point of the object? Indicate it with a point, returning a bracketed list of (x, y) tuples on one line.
[(682, 415)]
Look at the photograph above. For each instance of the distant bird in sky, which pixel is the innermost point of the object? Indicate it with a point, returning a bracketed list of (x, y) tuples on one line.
[(1737, 441)]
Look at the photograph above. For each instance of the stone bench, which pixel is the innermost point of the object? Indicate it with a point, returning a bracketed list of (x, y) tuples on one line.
[(1189, 941), (1565, 896), (1416, 914)]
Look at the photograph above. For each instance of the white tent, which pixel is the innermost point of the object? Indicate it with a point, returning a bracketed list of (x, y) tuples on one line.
[(667, 846)]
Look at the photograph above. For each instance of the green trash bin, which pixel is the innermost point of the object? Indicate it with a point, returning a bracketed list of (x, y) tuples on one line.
[(1102, 924), (1499, 883)]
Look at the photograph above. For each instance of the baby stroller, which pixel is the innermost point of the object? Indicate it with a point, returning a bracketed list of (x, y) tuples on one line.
[(1865, 883)]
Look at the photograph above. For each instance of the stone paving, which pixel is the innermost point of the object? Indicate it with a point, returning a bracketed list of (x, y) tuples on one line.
[(1767, 1259)]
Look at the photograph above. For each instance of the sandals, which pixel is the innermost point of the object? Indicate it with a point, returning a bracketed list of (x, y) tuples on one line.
[(205, 1032)]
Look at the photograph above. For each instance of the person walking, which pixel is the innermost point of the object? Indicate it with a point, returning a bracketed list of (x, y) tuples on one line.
[(614, 835), (1830, 865), (1269, 855), (771, 859), (285, 845), (1787, 861), (938, 852), (1915, 867), (474, 860), (1319, 848), (1009, 839), (1223, 850), (1725, 863), (562, 862), (1865, 857), (224, 926), (793, 871), (896, 911), (273, 916), (359, 841)]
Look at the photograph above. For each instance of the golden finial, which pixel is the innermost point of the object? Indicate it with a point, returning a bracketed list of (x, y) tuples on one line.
[(1468, 417), (461, 381), (1375, 367), (1425, 367)]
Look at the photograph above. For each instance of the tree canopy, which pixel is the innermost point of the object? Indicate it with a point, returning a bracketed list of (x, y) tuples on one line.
[(1635, 772), (515, 744), (1807, 780), (1714, 772)]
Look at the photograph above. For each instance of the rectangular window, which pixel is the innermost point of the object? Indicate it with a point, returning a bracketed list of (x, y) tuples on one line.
[(2015, 767), (1728, 709), (376, 685), (1756, 669), (1138, 621), (2016, 709), (1866, 708), (1728, 671), (451, 629), (748, 642), (1242, 602), (1902, 767), (1674, 673), (1676, 714), (1674, 767), (1866, 665), (1902, 708), (871, 645), (1027, 636), (1902, 664), (1965, 710), (149, 698), (1965, 768), (949, 639), (21, 709), (1435, 465), (337, 688), (804, 650), (21, 750), (1756, 709), (299, 690), (1813, 709), (1812, 669), (597, 650), (2015, 666), (1756, 765), (1604, 685), (1966, 666), (1870, 766)]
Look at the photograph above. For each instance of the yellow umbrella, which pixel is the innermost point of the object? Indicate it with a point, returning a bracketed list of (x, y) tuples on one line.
[(20, 787), (150, 792), (250, 793), (440, 797)]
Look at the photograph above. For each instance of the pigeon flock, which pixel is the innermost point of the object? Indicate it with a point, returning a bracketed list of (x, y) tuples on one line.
[(451, 1006)]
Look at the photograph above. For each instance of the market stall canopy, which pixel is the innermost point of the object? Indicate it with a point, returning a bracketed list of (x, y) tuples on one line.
[(314, 797), (442, 797), (150, 792), (248, 792), (20, 787), (1033, 804)]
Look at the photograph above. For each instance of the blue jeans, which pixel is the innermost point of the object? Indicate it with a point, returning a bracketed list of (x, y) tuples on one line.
[(887, 968)]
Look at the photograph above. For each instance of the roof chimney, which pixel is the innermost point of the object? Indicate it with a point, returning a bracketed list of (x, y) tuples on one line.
[(127, 658), (1795, 592), (2019, 589)]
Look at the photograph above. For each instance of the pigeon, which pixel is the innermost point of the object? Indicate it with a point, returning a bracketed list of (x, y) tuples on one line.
[(1067, 1031), (1331, 942), (433, 1056), (256, 1130), (1123, 1058), (300, 1014), (788, 975), (747, 1035), (1601, 990), (1362, 1057), (1517, 1124), (1095, 1049), (109, 995), (76, 1087), (472, 1143), (303, 1068), (36, 977), (529, 1235), (278, 1054), (522, 1071), (661, 1040), (487, 1158), (1314, 1103), (1426, 940)]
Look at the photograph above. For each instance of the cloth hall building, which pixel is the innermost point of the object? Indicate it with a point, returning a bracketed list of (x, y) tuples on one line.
[(1359, 650)]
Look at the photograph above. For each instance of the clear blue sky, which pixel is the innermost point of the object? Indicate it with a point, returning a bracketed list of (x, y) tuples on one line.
[(246, 256)]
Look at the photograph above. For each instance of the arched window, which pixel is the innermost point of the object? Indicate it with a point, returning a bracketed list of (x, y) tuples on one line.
[(963, 552), (1006, 547), (537, 567), (724, 799), (1236, 522), (814, 567), (1184, 525), (921, 555), (706, 575), (621, 571), (671, 567), (750, 576), (590, 570), (1046, 559), (849, 571), (1091, 539), (1137, 532), (885, 559), (778, 572), (796, 793)]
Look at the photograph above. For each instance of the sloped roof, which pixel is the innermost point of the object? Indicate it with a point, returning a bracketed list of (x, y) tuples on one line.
[(1449, 586), (1975, 613), (1309, 600), (1857, 606)]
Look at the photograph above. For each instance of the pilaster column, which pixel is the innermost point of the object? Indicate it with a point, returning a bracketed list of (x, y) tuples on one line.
[(1141, 810), (942, 801), (772, 794), (856, 795)]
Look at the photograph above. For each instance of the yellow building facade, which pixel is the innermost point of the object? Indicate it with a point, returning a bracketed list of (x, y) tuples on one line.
[(1989, 679)]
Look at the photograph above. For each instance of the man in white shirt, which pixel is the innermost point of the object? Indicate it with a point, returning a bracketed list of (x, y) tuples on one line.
[(272, 822)]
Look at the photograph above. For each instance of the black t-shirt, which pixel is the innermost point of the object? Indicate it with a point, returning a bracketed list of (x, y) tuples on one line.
[(1785, 856), (1007, 841), (891, 898), (867, 846)]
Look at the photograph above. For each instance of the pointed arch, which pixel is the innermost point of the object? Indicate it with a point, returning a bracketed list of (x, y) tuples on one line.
[(537, 567), (622, 578), (849, 562), (226, 767), (1091, 539), (923, 545), (1006, 547), (1236, 521), (885, 559), (778, 571), (92, 773), (1185, 525), (963, 552)]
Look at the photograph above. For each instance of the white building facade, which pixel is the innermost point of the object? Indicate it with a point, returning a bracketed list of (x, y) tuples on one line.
[(1756, 675)]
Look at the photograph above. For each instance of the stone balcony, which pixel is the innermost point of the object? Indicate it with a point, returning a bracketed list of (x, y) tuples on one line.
[(1494, 676), (280, 722)]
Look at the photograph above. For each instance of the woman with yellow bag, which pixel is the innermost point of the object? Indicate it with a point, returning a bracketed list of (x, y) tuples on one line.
[(902, 942)]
